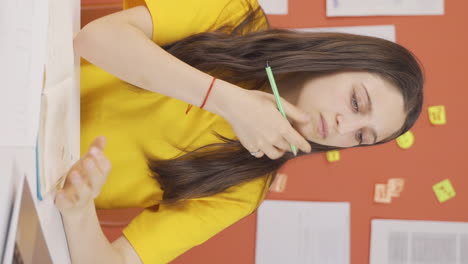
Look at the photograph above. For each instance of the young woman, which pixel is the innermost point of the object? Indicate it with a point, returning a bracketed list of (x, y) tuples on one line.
[(197, 170)]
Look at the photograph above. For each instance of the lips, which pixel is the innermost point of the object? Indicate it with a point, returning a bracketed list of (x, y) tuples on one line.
[(323, 128)]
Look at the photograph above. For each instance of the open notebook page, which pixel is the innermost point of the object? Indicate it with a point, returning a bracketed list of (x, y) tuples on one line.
[(58, 138)]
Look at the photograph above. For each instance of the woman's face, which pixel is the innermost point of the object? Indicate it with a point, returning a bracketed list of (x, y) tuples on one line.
[(350, 108)]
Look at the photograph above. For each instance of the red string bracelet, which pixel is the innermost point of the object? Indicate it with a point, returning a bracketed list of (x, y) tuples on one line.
[(206, 97)]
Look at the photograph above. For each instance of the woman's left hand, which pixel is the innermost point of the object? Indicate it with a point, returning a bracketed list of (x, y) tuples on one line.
[(85, 179)]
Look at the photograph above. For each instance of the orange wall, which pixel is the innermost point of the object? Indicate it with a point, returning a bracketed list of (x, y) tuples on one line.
[(439, 152), (92, 9)]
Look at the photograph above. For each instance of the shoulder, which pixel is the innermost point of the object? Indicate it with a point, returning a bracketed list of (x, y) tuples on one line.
[(237, 11)]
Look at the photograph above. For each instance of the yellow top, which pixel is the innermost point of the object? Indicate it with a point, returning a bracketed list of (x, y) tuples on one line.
[(133, 119)]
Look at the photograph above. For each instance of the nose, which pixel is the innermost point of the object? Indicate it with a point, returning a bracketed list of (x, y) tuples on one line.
[(351, 123)]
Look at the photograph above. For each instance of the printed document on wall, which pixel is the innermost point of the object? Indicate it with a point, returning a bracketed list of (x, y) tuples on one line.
[(302, 232), (384, 7), (274, 7), (380, 31), (421, 242)]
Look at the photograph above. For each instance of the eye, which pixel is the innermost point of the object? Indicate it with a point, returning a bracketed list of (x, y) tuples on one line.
[(354, 102), (359, 136)]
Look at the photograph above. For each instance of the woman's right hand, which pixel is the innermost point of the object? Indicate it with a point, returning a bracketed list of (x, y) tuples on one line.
[(259, 125)]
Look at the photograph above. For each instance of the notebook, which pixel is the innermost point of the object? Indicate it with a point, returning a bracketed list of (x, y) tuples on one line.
[(58, 138), (54, 151)]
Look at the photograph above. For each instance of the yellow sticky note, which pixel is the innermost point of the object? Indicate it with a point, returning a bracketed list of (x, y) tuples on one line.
[(444, 190), (406, 140), (333, 155), (437, 115)]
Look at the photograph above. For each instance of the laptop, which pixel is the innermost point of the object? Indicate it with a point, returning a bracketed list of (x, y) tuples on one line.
[(25, 239)]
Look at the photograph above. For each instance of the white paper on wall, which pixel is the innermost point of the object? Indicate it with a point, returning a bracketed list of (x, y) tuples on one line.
[(381, 31), (384, 7), (422, 242), (302, 232), (274, 7)]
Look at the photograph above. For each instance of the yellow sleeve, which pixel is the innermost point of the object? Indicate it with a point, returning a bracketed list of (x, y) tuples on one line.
[(174, 20), (160, 236)]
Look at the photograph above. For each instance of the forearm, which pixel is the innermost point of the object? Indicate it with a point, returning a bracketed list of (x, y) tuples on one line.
[(86, 241), (126, 52)]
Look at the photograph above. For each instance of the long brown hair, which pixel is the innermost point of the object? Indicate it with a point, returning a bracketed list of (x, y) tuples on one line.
[(237, 54)]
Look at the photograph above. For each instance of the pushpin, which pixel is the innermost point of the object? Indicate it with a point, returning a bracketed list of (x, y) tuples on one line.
[(406, 140)]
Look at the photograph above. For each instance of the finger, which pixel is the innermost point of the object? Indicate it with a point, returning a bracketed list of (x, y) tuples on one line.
[(252, 148), (62, 202), (293, 137), (294, 112), (282, 143), (83, 192), (99, 142), (93, 176), (68, 196), (258, 154), (71, 192), (102, 162), (77, 166), (271, 151), (68, 189), (275, 136)]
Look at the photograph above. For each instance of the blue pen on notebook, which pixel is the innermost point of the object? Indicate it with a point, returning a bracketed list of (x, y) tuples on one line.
[(278, 98)]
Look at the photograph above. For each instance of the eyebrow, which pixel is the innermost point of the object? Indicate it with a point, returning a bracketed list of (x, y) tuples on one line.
[(369, 109), (369, 102)]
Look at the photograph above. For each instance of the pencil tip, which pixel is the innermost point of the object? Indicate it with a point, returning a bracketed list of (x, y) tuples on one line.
[(267, 64)]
